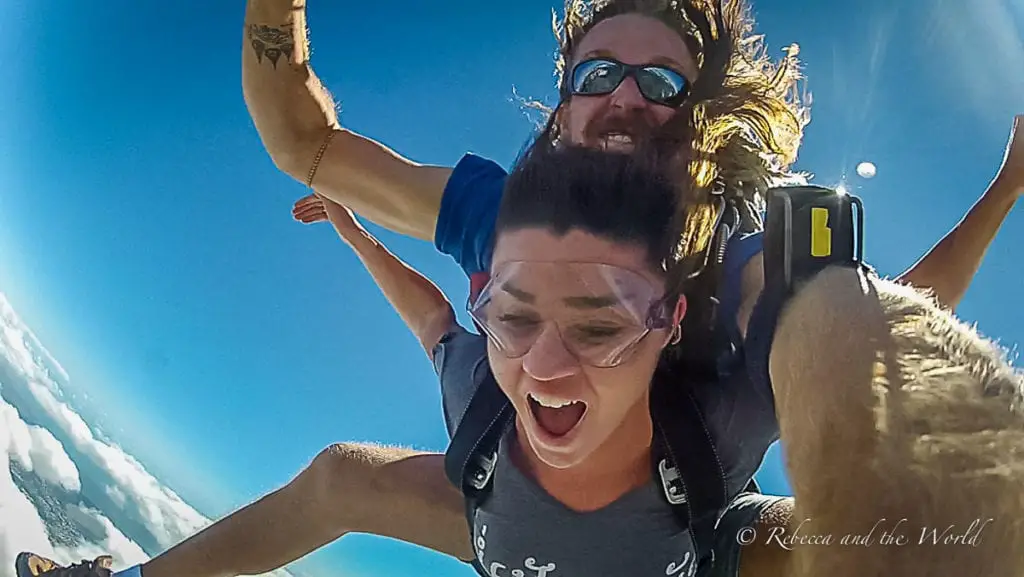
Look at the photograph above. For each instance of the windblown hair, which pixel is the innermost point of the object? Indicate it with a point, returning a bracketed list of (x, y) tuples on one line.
[(617, 196), (741, 127)]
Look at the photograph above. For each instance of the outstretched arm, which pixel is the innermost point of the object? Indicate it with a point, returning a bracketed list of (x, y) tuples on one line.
[(297, 122), (950, 265), (419, 302), (348, 488)]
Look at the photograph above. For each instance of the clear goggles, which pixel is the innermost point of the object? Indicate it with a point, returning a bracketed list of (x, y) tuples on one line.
[(600, 312)]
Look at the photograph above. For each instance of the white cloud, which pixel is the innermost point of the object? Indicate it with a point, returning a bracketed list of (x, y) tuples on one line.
[(129, 486), (50, 461), (37, 450), (164, 514), (116, 495), (167, 517), (108, 540), (21, 527), (24, 349)]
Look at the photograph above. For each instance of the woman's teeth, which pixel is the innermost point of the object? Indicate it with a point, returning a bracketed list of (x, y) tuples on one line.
[(551, 402)]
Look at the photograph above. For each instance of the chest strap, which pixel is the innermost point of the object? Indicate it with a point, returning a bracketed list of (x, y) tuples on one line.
[(695, 491)]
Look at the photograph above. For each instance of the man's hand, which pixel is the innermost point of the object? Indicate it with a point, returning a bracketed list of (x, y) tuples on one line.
[(1010, 178), (315, 208)]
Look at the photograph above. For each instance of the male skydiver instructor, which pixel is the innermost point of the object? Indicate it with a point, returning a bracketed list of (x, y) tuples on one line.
[(296, 120)]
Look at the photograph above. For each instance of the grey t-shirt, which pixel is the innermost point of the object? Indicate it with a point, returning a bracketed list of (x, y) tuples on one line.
[(521, 531)]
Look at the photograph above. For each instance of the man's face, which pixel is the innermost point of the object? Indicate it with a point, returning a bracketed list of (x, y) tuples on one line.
[(616, 121)]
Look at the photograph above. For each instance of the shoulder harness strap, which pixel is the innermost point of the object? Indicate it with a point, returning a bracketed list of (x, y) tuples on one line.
[(471, 455), (687, 463)]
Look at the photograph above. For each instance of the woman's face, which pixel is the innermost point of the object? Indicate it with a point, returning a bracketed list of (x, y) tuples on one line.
[(574, 336)]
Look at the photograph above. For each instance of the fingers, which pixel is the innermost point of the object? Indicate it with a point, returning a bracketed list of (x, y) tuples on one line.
[(1011, 172), (309, 209), (311, 215), (307, 202), (309, 198), (314, 208)]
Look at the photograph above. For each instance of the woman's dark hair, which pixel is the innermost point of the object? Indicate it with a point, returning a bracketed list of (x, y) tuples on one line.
[(619, 196), (628, 198)]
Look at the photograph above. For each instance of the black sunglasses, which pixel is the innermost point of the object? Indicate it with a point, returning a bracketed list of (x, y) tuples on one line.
[(658, 84)]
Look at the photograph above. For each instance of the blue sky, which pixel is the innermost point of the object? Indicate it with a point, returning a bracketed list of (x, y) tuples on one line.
[(146, 238)]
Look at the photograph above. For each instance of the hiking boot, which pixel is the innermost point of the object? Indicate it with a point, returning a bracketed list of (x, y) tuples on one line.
[(32, 565)]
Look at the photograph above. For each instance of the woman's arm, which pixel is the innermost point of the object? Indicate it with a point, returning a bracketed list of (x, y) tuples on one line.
[(419, 302), (348, 488)]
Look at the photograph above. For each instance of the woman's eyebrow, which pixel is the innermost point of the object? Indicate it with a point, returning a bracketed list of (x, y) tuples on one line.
[(591, 302)]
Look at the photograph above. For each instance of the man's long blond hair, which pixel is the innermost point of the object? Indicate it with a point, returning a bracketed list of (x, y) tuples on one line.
[(742, 125)]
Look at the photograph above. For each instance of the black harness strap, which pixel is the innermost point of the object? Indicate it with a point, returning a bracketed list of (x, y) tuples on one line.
[(469, 460), (690, 471), (472, 454)]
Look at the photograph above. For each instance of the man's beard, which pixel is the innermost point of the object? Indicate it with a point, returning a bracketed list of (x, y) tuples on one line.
[(619, 133), (667, 145)]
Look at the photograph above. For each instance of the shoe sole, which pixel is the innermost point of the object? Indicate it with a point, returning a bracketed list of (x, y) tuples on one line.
[(23, 565), (21, 568)]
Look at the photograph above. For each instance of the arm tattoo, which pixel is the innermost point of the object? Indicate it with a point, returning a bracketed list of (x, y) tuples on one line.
[(271, 42)]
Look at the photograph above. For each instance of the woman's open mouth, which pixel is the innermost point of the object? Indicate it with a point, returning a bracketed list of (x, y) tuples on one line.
[(556, 416)]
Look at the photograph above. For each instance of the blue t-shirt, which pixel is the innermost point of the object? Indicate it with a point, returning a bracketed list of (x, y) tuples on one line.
[(469, 211)]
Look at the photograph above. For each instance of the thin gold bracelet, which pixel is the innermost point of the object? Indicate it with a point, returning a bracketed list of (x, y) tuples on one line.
[(319, 156)]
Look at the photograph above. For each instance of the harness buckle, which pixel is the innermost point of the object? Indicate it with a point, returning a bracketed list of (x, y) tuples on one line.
[(480, 475), (671, 483)]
